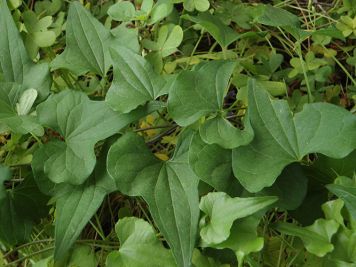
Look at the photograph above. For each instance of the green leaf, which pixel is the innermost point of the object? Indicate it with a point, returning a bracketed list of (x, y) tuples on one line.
[(344, 250), (223, 34), (220, 131), (122, 11), (77, 204), (243, 239), (87, 43), (197, 93), (81, 123), (212, 164), (277, 17), (135, 81), (160, 10), (281, 139), (83, 256), (332, 210), (15, 103), (169, 39), (26, 101), (15, 63), (221, 211), (38, 34), (290, 188), (346, 190), (139, 246), (19, 208), (126, 37), (199, 260), (316, 238), (170, 188), (200, 5)]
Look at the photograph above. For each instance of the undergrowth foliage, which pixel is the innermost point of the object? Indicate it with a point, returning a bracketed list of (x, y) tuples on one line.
[(177, 133)]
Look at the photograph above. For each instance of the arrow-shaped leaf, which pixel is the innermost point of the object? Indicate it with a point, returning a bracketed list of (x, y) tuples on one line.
[(135, 81), (221, 211), (87, 43), (170, 188)]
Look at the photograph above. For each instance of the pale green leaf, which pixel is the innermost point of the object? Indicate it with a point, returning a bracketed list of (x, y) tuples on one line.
[(122, 11), (15, 103), (135, 81), (345, 189), (243, 238), (281, 138), (139, 246), (333, 210), (169, 39), (221, 211), (200, 5), (160, 10), (26, 101), (316, 238), (170, 188)]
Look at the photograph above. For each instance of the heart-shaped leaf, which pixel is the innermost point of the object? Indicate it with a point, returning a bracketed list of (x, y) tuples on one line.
[(170, 188), (201, 92), (81, 123), (139, 246), (212, 164), (281, 139)]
